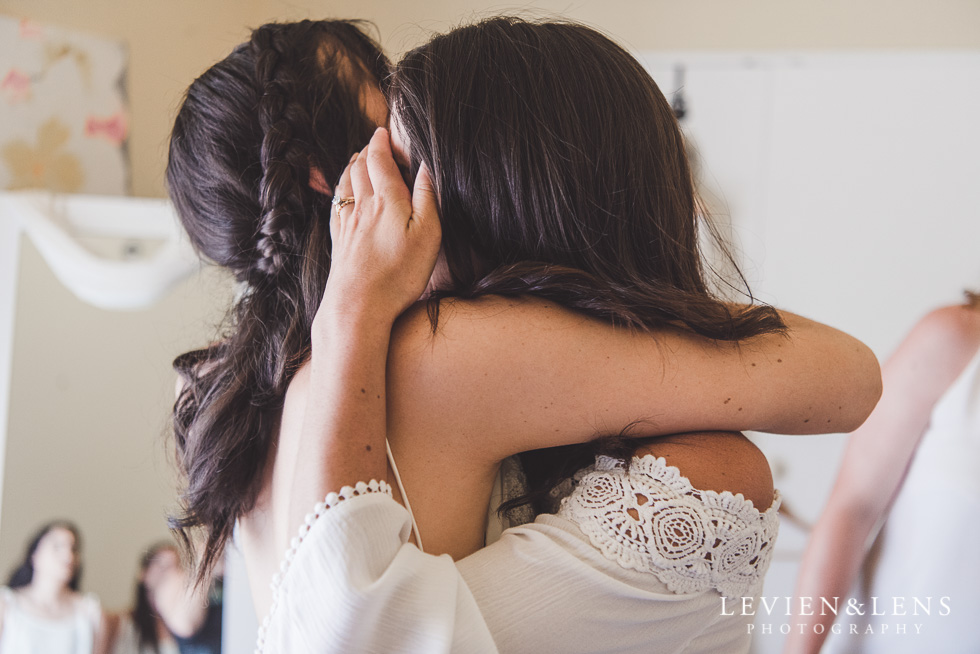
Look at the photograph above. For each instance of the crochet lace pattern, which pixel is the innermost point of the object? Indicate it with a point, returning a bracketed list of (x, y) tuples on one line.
[(651, 519), (330, 501)]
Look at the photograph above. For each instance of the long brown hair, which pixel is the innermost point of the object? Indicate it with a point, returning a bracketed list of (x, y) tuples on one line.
[(144, 615), (561, 172), (245, 139)]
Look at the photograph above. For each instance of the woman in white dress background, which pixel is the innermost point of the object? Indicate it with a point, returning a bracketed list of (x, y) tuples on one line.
[(911, 469), (41, 608)]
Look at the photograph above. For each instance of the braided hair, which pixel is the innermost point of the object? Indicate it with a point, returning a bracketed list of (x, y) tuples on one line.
[(245, 140)]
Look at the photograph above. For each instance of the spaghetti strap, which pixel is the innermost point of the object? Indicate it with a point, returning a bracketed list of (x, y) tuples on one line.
[(401, 489)]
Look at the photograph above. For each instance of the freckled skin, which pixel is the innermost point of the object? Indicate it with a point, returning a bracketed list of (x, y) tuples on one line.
[(478, 341)]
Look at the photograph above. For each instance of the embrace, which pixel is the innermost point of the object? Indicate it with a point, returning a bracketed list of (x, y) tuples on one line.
[(479, 267)]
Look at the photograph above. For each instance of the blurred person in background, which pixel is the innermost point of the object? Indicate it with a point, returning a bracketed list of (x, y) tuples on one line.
[(41, 608), (172, 614), (912, 468), (142, 630)]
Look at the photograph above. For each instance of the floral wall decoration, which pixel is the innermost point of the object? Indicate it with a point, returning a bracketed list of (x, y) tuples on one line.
[(63, 116)]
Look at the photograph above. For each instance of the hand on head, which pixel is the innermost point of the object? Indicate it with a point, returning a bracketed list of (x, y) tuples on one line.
[(385, 239)]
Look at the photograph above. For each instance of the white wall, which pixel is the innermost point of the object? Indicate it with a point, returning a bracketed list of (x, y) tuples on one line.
[(851, 181), (851, 184)]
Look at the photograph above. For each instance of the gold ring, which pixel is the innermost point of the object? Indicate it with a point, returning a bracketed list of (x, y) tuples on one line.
[(340, 202)]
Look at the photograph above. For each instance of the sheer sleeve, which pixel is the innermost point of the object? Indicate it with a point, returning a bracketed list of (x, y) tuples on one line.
[(352, 582)]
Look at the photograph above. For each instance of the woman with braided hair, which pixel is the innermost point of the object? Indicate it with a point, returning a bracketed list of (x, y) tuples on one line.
[(568, 303), (246, 155)]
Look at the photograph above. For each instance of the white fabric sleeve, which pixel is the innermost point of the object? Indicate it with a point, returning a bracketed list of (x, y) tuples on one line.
[(355, 584)]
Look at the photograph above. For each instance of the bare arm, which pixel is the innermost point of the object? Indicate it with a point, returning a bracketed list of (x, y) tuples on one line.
[(877, 456), (105, 635), (502, 376), (384, 250)]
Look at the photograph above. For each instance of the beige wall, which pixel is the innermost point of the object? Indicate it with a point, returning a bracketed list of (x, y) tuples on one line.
[(87, 427), (171, 42), (91, 388)]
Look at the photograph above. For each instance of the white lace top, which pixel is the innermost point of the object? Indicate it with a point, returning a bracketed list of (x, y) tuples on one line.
[(632, 562), (650, 519)]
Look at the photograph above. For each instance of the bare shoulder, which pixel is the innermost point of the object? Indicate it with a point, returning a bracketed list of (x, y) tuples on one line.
[(959, 322), (89, 602), (933, 354), (6, 596), (945, 339), (718, 461)]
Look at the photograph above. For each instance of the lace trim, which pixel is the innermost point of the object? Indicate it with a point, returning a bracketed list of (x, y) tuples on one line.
[(332, 500), (652, 520)]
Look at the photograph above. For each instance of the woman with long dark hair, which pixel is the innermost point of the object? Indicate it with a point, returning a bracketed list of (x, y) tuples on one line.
[(170, 613), (569, 304), (142, 630), (41, 608)]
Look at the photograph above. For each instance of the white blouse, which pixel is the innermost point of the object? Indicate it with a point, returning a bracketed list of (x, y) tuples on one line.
[(351, 582), (634, 561), (27, 633)]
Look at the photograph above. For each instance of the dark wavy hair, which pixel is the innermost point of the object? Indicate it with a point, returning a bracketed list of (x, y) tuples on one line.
[(561, 173), (143, 614), (244, 141), (23, 574)]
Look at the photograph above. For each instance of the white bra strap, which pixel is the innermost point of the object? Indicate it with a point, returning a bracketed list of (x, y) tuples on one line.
[(401, 489)]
